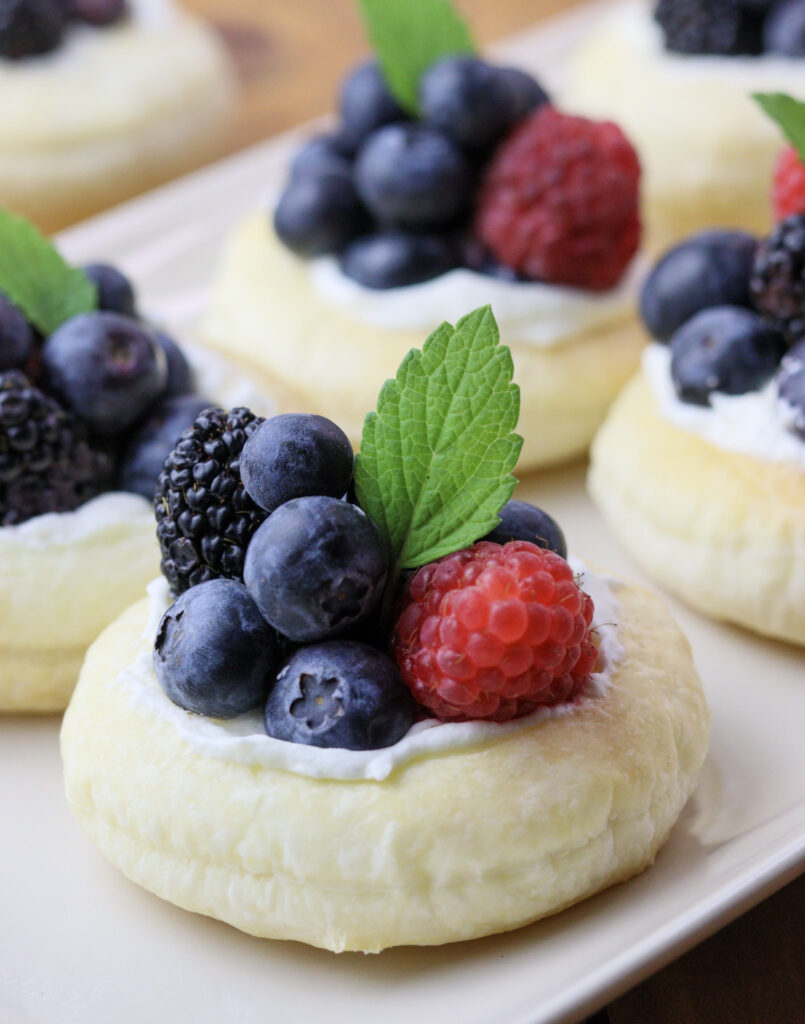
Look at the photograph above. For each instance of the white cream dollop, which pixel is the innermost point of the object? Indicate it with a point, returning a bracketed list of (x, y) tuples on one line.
[(754, 424), (244, 740), (526, 311)]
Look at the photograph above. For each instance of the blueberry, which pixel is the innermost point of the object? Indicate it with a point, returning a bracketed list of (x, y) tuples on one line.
[(320, 154), (115, 293), (791, 389), (214, 653), (784, 29), (412, 176), (316, 567), (97, 12), (725, 349), (527, 94), (319, 214), (29, 27), (16, 336), (339, 694), (154, 440), (712, 268), (366, 104), (392, 259), (521, 521), (181, 378), (107, 368), (293, 456), (475, 256)]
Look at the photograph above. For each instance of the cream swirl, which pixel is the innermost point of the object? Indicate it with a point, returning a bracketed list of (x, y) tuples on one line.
[(754, 424), (244, 740), (527, 311)]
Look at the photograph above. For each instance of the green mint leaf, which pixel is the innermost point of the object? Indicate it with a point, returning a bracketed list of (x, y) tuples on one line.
[(436, 459), (408, 36), (788, 113), (36, 278)]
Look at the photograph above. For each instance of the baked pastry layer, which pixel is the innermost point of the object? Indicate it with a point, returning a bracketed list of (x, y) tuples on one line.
[(111, 113), (723, 530), (63, 578), (448, 847), (706, 148), (266, 313)]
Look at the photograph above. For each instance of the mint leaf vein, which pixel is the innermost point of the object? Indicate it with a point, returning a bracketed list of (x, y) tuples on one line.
[(436, 459), (36, 278), (408, 36), (788, 113)]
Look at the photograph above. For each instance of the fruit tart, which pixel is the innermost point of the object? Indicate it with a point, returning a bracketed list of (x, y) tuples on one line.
[(92, 399), (445, 183), (385, 730), (700, 466), (677, 74), (103, 99)]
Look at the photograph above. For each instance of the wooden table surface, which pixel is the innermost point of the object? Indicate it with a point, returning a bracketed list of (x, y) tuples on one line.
[(291, 55)]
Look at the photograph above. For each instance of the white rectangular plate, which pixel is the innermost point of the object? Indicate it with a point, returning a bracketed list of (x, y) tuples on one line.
[(79, 943)]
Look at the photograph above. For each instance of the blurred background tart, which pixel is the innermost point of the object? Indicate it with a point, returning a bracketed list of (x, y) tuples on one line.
[(481, 191), (677, 75), (103, 99)]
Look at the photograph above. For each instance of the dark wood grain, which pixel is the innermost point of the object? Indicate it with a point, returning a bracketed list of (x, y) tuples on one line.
[(291, 55)]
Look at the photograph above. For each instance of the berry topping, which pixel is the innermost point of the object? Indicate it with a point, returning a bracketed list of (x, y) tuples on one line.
[(521, 521), (205, 518), (788, 187), (214, 652), (778, 277), (319, 213), (29, 27), (316, 568), (181, 379), (791, 389), (393, 259), (784, 30), (293, 456), (412, 176), (527, 94), (708, 269), (559, 201), (97, 12), (366, 104), (494, 632), (339, 694), (725, 27), (16, 336), (468, 100), (154, 439), (724, 349), (115, 293), (320, 154), (107, 368), (46, 462)]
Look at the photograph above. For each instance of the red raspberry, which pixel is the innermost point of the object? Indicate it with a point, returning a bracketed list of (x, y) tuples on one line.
[(494, 632), (788, 187), (560, 200)]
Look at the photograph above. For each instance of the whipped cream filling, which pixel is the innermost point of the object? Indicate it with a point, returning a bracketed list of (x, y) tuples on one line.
[(215, 377), (244, 739), (754, 424), (526, 311), (635, 23)]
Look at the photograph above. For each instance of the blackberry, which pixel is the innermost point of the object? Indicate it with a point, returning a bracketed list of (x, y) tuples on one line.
[(205, 518), (777, 284), (29, 27), (723, 27), (46, 461)]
